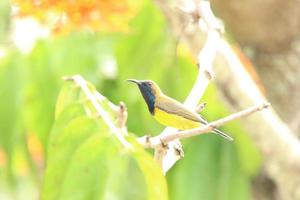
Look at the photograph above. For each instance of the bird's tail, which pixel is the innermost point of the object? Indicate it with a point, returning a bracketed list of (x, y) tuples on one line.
[(218, 132)]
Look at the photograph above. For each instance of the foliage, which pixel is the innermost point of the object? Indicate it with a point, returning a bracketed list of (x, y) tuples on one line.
[(85, 161), (4, 19), (80, 157)]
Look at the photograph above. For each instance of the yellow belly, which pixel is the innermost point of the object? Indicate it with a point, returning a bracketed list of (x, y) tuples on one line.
[(174, 121)]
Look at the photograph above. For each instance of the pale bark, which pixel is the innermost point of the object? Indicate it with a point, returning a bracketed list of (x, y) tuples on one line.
[(274, 138), (269, 32)]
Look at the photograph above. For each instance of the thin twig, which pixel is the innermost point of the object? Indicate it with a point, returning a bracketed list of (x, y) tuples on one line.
[(101, 112), (120, 111), (160, 140), (212, 125), (200, 107), (122, 118)]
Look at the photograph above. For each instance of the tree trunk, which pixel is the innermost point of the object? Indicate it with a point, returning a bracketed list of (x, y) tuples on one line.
[(269, 32)]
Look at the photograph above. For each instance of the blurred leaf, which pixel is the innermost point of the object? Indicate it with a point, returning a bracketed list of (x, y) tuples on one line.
[(11, 90), (245, 147), (42, 90), (199, 171), (62, 149), (212, 167), (208, 171), (156, 184), (70, 112), (4, 19), (88, 170), (67, 96), (80, 53), (85, 160)]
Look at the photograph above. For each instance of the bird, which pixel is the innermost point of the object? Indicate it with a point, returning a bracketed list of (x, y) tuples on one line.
[(169, 111)]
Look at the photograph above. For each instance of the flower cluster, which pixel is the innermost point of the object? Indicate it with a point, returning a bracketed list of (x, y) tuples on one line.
[(65, 16)]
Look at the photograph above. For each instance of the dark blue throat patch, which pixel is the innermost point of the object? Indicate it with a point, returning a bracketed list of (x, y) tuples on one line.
[(148, 96)]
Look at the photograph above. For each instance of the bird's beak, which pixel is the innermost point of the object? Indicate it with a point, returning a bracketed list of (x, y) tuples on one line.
[(134, 81)]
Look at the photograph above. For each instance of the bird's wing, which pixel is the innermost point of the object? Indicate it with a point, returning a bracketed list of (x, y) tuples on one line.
[(172, 106)]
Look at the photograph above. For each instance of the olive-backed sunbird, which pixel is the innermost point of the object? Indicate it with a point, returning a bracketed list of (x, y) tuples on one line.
[(168, 111)]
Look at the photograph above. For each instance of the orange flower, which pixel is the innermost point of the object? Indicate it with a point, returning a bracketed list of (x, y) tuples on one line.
[(68, 15)]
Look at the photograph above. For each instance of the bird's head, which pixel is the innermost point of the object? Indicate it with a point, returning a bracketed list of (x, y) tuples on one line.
[(147, 86), (149, 90)]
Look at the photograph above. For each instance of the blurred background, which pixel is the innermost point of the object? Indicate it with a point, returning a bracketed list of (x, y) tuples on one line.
[(108, 42)]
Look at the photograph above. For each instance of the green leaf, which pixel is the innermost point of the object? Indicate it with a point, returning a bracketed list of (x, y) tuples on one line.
[(41, 93), (245, 147), (86, 161), (208, 171), (11, 101), (88, 170), (62, 149), (70, 112), (11, 90), (67, 96), (157, 187), (4, 19), (78, 53)]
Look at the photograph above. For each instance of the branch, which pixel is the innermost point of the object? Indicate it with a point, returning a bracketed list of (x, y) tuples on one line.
[(121, 112), (93, 96), (161, 140), (212, 125), (208, 23), (122, 118), (207, 54), (200, 107), (278, 145), (281, 164)]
